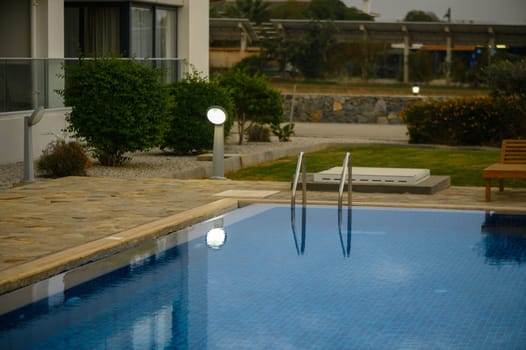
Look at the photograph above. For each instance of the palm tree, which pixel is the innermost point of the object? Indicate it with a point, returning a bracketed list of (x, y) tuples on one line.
[(254, 10)]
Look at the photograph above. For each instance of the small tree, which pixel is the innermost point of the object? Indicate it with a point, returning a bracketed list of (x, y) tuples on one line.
[(310, 55), (334, 10), (506, 77), (420, 16), (254, 10), (326, 9), (118, 106), (188, 127), (507, 82), (254, 99)]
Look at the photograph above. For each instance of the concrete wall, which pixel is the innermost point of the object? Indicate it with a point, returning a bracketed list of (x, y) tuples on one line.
[(347, 109), (12, 135), (227, 57), (49, 29), (194, 35)]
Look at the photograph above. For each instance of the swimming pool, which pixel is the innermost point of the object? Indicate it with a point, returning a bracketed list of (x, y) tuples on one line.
[(371, 278)]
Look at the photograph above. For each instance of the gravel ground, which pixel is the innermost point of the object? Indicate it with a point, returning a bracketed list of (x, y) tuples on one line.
[(156, 163)]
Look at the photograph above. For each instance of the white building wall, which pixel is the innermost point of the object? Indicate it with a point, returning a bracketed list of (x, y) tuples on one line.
[(12, 135), (194, 35), (50, 28)]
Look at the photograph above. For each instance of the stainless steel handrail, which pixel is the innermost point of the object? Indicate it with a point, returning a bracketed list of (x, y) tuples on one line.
[(346, 246), (346, 169), (300, 166)]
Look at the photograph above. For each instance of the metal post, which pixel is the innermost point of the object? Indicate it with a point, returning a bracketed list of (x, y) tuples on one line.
[(218, 161), (29, 172), (304, 183), (34, 118), (349, 183)]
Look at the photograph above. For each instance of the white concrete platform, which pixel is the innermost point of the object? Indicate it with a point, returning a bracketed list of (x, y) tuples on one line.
[(374, 175)]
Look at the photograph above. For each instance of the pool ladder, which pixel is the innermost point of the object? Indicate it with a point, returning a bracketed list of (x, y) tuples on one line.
[(302, 168), (346, 174)]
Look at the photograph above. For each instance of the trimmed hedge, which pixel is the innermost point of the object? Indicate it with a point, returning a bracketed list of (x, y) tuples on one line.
[(465, 121), (188, 129), (118, 106)]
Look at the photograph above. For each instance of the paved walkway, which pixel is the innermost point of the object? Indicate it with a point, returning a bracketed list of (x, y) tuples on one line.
[(52, 225), (354, 132)]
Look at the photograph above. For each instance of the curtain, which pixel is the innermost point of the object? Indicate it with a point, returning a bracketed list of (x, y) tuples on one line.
[(141, 32), (166, 34), (102, 34)]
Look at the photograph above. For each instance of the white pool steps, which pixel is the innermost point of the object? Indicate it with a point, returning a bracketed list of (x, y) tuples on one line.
[(374, 175)]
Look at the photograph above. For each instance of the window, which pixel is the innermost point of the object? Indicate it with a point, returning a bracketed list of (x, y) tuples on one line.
[(166, 29), (92, 30), (102, 30), (141, 32), (129, 30)]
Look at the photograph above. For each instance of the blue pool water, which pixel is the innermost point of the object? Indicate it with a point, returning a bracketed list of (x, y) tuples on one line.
[(375, 279)]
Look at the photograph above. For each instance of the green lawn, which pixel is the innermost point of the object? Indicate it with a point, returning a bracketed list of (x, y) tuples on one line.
[(463, 165)]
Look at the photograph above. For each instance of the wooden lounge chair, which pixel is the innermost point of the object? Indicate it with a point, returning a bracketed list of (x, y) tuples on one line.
[(512, 165)]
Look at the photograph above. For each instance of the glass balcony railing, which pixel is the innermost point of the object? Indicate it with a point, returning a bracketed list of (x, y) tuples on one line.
[(26, 83)]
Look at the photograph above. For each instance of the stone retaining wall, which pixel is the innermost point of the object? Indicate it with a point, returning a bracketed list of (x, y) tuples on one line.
[(348, 109)]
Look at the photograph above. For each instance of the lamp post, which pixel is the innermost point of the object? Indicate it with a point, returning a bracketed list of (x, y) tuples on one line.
[(217, 116), (415, 89), (34, 118)]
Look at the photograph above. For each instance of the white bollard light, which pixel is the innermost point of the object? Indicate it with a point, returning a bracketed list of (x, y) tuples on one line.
[(217, 116)]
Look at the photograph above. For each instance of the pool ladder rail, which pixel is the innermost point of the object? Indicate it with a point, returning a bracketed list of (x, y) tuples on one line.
[(346, 174), (302, 168)]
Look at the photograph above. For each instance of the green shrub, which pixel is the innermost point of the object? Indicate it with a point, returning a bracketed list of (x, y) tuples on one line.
[(254, 99), (283, 133), (61, 158), (118, 106), (189, 129), (464, 121), (252, 64), (506, 78), (258, 133)]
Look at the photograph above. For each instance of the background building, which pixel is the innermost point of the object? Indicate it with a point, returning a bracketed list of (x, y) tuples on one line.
[(40, 36)]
